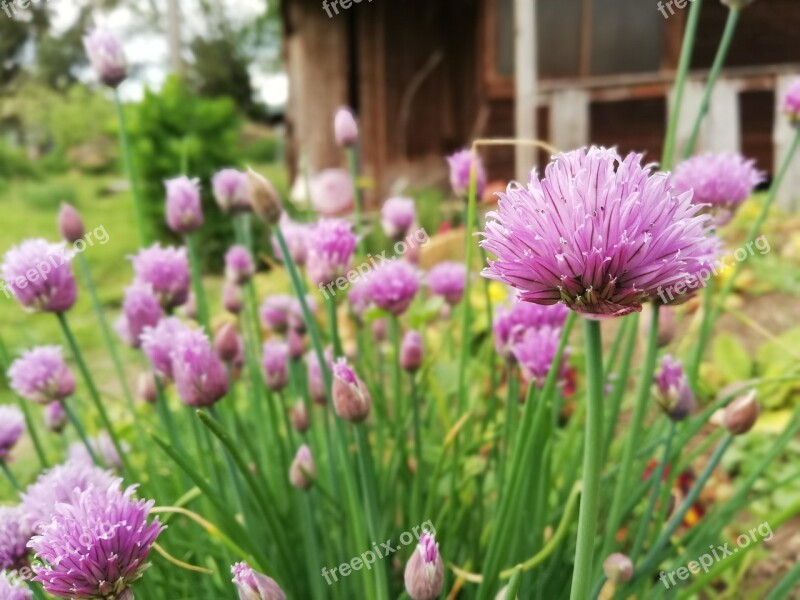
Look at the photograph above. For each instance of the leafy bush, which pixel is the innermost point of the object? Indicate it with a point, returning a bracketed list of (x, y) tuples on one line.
[(14, 163), (173, 131)]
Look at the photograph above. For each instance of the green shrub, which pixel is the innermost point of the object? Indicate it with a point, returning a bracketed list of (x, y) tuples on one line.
[(14, 163)]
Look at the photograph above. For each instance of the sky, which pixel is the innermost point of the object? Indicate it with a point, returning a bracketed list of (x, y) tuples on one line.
[(148, 51)]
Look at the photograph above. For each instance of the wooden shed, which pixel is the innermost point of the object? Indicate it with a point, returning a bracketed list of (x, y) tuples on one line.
[(427, 76)]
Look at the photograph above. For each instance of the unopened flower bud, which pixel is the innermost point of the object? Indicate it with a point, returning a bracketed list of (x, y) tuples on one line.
[(345, 128), (107, 58), (184, 207), (411, 351), (70, 224), (303, 470), (351, 398), (147, 387), (189, 307), (232, 298), (791, 102), (55, 417), (252, 585), (618, 568), (296, 342), (299, 416), (264, 198), (674, 394), (227, 343), (741, 414), (666, 326), (275, 361), (239, 267), (424, 574)]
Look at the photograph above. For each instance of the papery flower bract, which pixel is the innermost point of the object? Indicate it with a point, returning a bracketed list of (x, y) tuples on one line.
[(264, 198), (460, 167), (351, 398), (275, 311), (275, 361), (56, 486), (411, 351), (13, 589), (332, 192), (239, 267), (166, 270), (199, 374), (14, 536), (141, 308), (157, 344), (600, 233), (106, 55), (96, 546), (41, 375), (535, 349), (447, 279), (70, 224), (252, 585), (393, 285), (331, 245), (55, 417), (424, 574), (12, 424), (230, 191), (345, 129), (184, 207), (39, 275), (791, 102), (741, 414), (397, 217), (723, 181), (302, 470), (674, 394), (296, 236)]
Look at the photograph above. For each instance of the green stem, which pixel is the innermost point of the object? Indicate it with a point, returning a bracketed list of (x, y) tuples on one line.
[(197, 282), (592, 456), (139, 214), (336, 342), (93, 392), (512, 407), (466, 307), (420, 474), (353, 163), (76, 423), (680, 82), (620, 383), (716, 69), (13, 480), (622, 486)]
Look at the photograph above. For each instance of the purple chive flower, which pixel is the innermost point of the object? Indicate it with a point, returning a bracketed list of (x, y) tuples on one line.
[(167, 272), (393, 285), (239, 267), (140, 309), (411, 351), (447, 279), (512, 321), (275, 361), (535, 350), (13, 589), (39, 275), (70, 224), (600, 233), (791, 102), (41, 375), (55, 417), (12, 424), (345, 129), (296, 344), (230, 191), (107, 58), (252, 585), (57, 485), (397, 217), (723, 181), (232, 297), (460, 166), (275, 312), (96, 546), (14, 536), (674, 394), (330, 248), (332, 192), (302, 470), (424, 574), (184, 207), (200, 376), (297, 239), (157, 344), (351, 398)]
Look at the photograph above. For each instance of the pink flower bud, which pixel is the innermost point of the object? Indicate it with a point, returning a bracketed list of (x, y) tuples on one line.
[(299, 416), (55, 417), (741, 414), (424, 574), (351, 398), (411, 351), (303, 470), (345, 128), (227, 343), (297, 344), (232, 298), (70, 224), (147, 387), (184, 207), (618, 568), (252, 585), (275, 361), (107, 58), (264, 198)]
